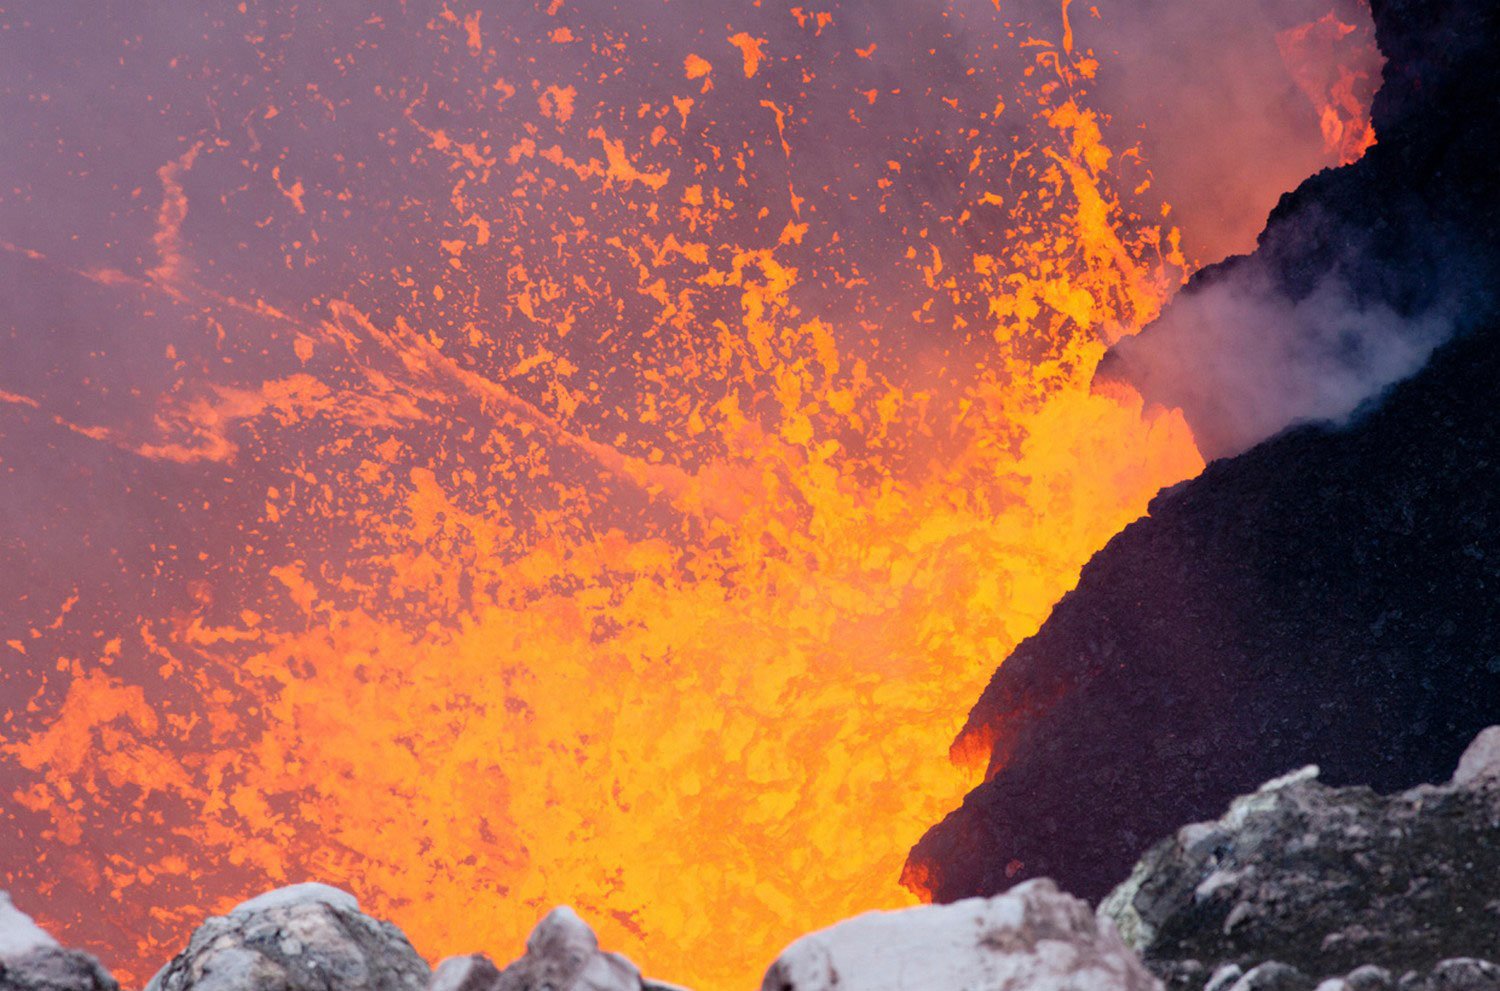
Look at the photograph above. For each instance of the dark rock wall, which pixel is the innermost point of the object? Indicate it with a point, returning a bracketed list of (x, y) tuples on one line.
[(1330, 596)]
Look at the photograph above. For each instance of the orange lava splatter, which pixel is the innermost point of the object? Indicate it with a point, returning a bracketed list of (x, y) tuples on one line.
[(631, 541), (753, 50)]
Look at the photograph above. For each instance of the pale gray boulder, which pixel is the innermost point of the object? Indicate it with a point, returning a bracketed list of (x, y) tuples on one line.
[(469, 973), (562, 954), (308, 937), (1029, 938), (31, 960), (19, 934), (1480, 762), (1272, 976)]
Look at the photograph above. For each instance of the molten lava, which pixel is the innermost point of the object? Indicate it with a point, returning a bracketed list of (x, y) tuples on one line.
[(592, 463)]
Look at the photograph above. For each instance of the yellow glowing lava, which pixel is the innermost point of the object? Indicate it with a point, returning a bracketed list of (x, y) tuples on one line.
[(669, 607)]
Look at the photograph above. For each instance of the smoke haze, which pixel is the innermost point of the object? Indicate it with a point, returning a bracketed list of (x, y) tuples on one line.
[(1230, 114), (1247, 361)]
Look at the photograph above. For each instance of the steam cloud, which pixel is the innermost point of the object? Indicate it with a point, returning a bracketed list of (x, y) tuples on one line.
[(1245, 361)]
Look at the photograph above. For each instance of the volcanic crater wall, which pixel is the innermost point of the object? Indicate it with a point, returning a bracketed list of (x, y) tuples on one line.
[(1326, 596)]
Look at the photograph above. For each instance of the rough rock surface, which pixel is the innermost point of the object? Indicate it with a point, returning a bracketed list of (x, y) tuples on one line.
[(1325, 597), (1480, 763), (307, 937), (1301, 882), (1030, 937), (474, 972), (562, 954), (31, 960)]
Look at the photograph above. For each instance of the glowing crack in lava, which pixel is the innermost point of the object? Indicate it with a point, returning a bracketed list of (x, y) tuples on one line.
[(508, 458)]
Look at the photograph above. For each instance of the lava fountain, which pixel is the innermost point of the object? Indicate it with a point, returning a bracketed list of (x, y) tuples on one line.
[(491, 458)]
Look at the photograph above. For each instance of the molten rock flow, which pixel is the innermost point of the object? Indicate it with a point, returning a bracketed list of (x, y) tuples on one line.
[(623, 412)]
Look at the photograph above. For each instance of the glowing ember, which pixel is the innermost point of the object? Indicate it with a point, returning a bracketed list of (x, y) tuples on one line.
[(561, 459)]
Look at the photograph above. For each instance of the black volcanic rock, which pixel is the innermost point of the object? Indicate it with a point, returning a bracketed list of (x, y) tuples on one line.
[(1327, 881), (1327, 597)]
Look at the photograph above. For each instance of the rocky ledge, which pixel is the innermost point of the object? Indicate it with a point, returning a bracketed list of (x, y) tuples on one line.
[(1297, 887), (1301, 882)]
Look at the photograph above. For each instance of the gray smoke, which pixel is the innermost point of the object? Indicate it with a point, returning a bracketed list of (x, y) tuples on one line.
[(1245, 361)]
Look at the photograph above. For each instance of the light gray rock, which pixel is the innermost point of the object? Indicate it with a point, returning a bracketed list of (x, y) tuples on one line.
[(1273, 976), (1224, 977), (1328, 880), (31, 960), (470, 973), (1032, 936), (562, 954), (1369, 978), (1480, 761), (307, 937), (19, 934), (298, 894)]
